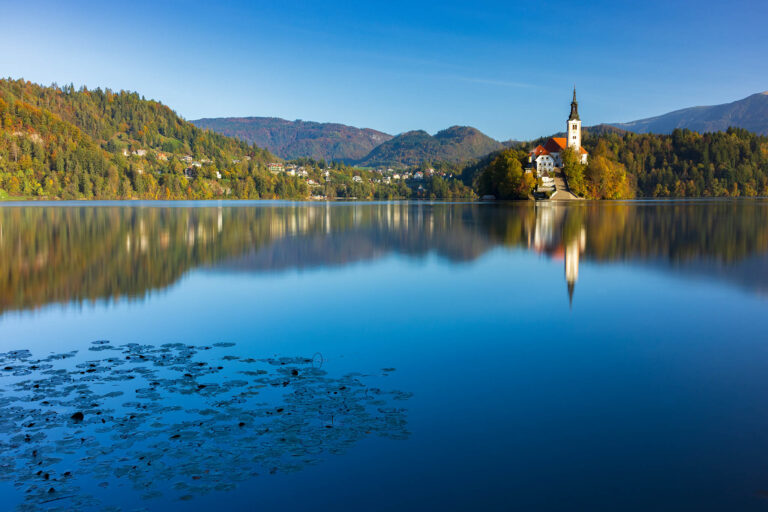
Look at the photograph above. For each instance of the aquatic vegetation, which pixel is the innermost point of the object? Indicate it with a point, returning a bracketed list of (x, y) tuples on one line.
[(174, 420)]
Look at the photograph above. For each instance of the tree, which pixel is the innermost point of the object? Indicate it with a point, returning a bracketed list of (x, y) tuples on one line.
[(606, 179), (504, 177), (573, 170)]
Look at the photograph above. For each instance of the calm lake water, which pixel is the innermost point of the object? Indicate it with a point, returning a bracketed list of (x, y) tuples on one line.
[(384, 356)]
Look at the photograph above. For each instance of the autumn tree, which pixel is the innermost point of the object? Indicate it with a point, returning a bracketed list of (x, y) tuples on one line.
[(504, 177)]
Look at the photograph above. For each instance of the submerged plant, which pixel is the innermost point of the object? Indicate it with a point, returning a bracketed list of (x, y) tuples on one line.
[(164, 420)]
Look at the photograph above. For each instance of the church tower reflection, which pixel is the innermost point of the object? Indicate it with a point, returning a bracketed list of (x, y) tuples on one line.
[(560, 234), (573, 249)]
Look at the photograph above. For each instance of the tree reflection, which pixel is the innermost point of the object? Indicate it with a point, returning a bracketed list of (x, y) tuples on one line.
[(54, 254)]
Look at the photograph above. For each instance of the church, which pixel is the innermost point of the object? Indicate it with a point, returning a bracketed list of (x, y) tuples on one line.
[(547, 157)]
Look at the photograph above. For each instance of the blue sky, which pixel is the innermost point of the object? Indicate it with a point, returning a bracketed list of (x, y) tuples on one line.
[(506, 68)]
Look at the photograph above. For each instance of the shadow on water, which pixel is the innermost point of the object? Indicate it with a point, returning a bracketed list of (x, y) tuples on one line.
[(60, 254), (174, 420)]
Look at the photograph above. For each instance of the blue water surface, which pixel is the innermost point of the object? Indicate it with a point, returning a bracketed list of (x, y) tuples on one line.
[(553, 357)]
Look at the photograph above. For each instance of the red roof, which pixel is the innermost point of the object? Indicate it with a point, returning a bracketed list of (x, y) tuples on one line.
[(557, 144)]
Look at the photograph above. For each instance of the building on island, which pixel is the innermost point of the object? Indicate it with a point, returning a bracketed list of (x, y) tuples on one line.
[(547, 157)]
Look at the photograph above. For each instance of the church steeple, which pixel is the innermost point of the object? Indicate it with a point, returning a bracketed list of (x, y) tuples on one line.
[(574, 107), (574, 125)]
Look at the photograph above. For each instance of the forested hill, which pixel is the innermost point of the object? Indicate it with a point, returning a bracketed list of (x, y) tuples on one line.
[(750, 113), (60, 142), (297, 139), (454, 144)]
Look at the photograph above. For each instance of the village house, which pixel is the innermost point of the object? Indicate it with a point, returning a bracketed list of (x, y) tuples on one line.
[(275, 167)]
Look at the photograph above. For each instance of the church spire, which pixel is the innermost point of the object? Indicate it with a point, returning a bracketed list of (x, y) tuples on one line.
[(574, 107)]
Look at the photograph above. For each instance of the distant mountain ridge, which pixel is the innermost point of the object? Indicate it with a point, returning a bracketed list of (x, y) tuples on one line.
[(750, 113), (296, 139), (373, 148), (454, 144)]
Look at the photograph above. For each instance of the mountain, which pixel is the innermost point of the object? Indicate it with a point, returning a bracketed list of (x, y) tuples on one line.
[(454, 144), (295, 139), (750, 113)]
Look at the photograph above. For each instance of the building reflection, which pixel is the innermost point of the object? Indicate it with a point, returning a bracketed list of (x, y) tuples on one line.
[(559, 233)]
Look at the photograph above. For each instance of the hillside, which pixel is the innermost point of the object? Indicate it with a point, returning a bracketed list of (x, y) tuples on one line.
[(750, 113), (454, 144), (296, 139), (58, 142)]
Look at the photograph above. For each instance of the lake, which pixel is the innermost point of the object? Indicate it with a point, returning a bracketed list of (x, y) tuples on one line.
[(384, 356)]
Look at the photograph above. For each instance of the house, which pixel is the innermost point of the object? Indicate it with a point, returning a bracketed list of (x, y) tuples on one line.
[(547, 157), (418, 175), (357, 179), (275, 167), (218, 175)]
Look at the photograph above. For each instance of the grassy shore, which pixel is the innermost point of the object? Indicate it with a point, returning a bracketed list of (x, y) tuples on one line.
[(5, 197)]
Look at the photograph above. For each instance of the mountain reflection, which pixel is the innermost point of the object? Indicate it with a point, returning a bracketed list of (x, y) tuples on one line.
[(51, 254)]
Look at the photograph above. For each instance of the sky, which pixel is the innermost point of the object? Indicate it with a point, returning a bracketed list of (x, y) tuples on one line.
[(506, 68)]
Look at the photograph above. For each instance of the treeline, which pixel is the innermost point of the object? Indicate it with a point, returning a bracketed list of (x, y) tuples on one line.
[(689, 164), (733, 163)]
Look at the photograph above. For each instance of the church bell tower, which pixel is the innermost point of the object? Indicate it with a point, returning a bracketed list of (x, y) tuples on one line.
[(574, 124)]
